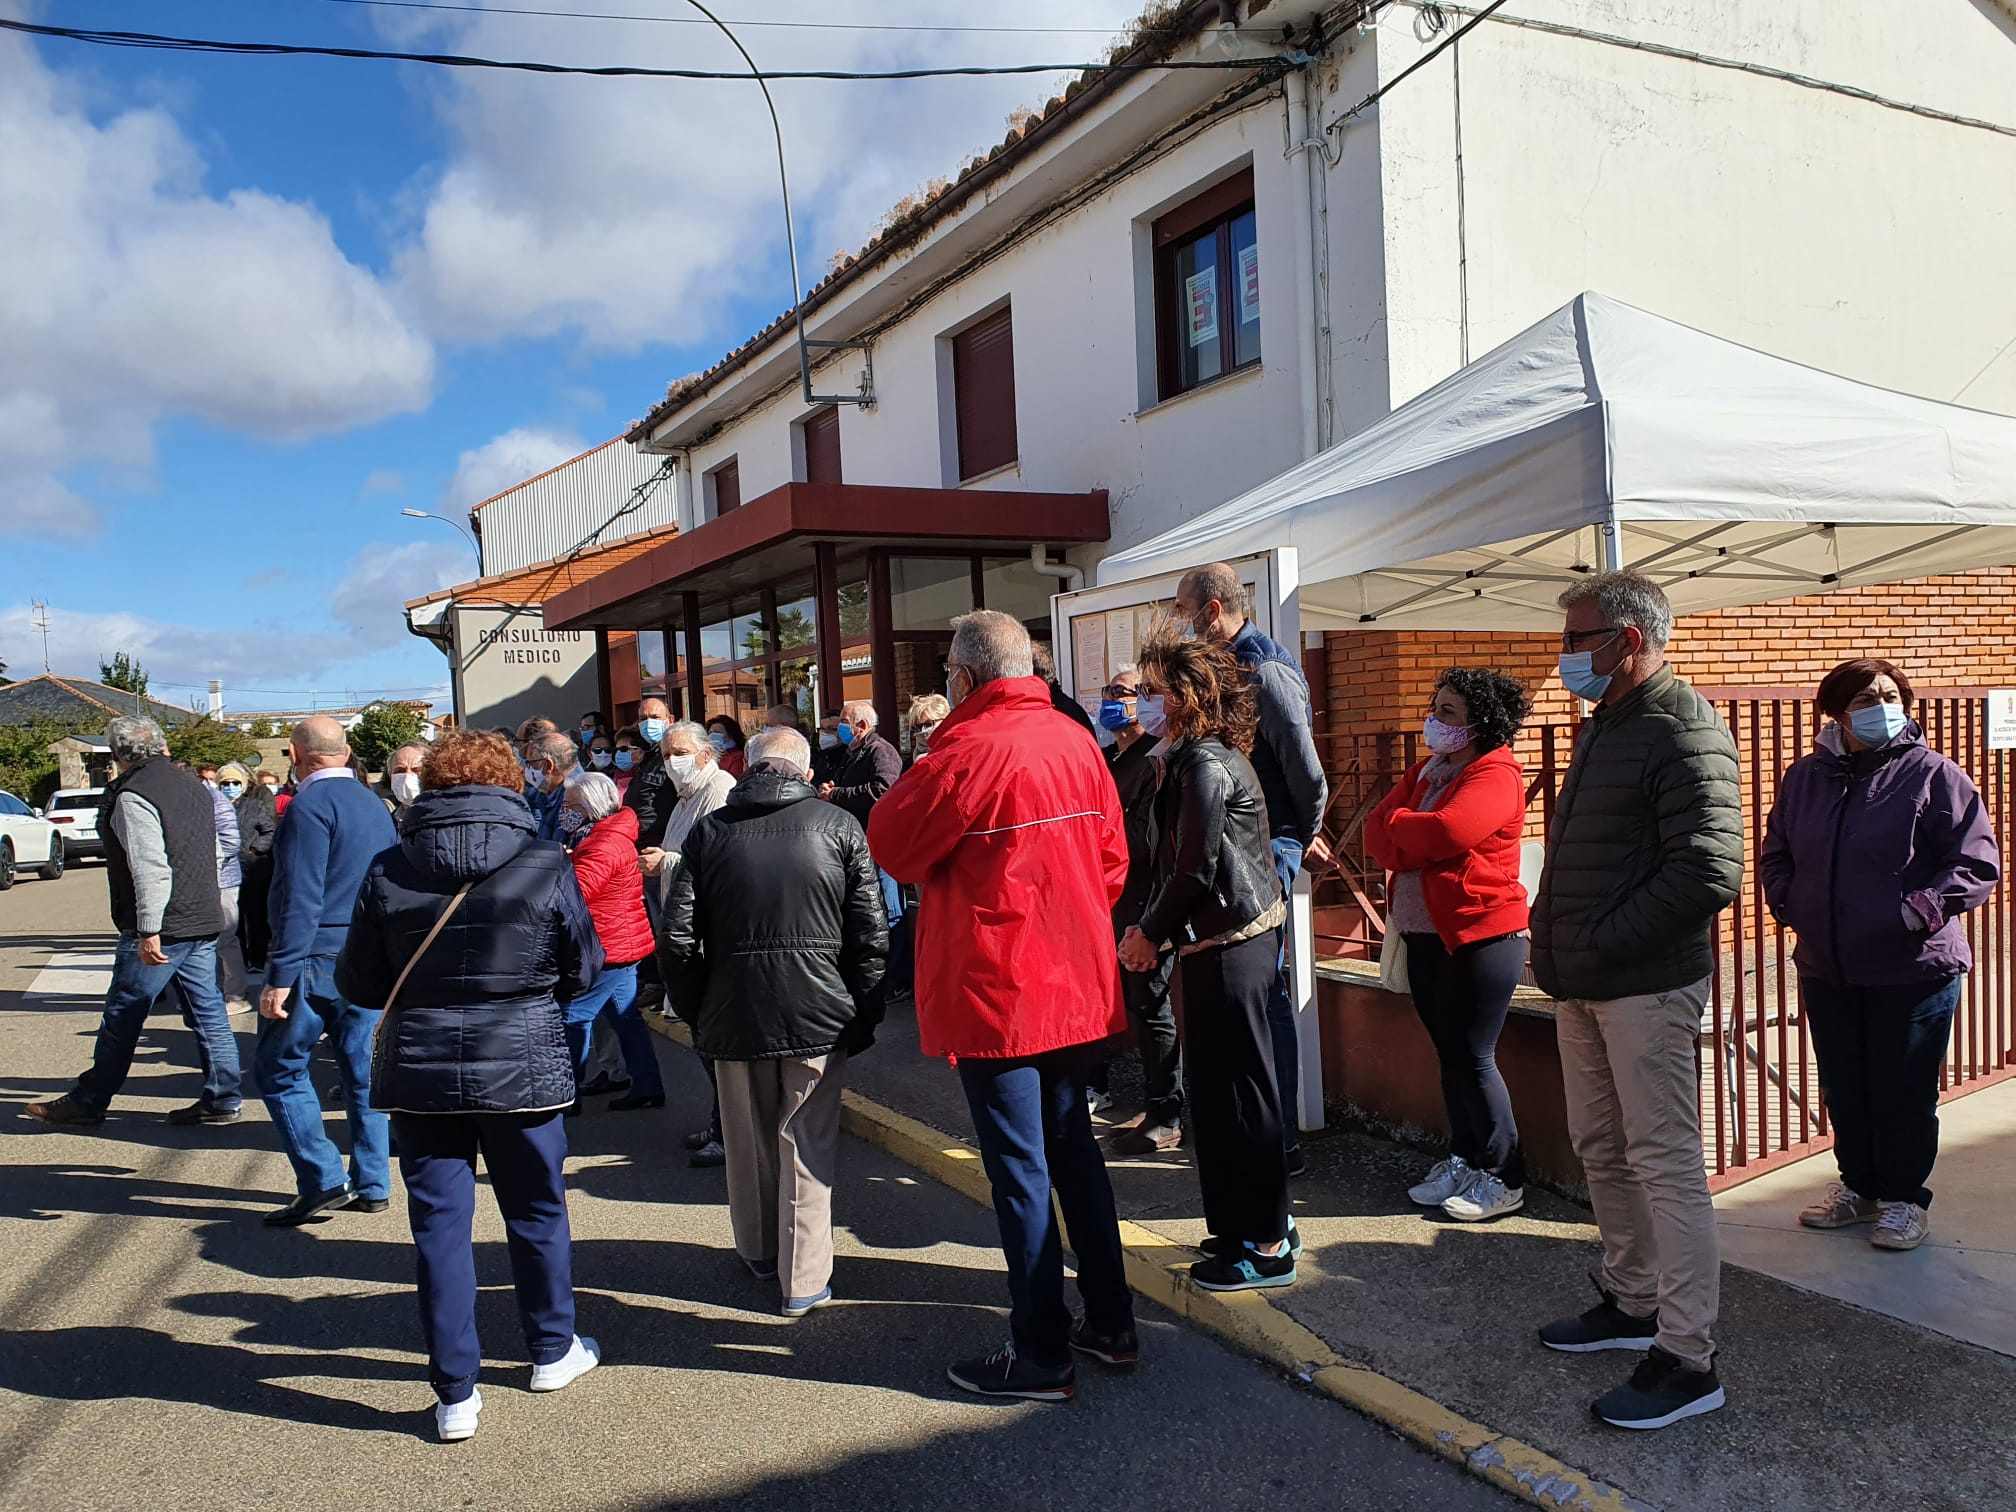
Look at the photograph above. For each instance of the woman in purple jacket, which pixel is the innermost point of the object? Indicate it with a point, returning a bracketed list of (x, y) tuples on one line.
[(1875, 848)]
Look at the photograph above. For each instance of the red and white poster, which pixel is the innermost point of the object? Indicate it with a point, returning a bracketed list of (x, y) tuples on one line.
[(1249, 284), (1200, 304)]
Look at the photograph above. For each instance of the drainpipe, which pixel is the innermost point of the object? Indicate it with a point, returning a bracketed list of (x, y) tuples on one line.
[(1069, 578), (1296, 134), (688, 515)]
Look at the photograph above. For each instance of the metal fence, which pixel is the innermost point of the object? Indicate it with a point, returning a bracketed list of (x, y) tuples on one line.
[(1760, 1087)]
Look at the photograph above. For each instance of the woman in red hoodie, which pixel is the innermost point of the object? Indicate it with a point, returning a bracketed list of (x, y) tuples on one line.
[(601, 835), (1449, 834)]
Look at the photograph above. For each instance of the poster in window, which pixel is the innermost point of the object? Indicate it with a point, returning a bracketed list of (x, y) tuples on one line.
[(1249, 284), (1200, 305)]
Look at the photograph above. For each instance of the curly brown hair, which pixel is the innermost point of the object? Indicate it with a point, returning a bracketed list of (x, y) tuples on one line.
[(1205, 690), (463, 758)]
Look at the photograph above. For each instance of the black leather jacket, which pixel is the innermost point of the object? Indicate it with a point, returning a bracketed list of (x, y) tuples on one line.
[(1214, 867)]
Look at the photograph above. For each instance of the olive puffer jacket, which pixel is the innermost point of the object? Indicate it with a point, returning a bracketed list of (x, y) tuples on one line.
[(479, 1026), (1646, 848)]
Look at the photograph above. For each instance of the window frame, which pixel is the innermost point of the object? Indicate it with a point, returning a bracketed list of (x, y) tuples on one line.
[(962, 340), (1214, 211)]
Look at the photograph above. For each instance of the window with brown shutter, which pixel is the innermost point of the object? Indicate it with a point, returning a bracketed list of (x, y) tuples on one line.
[(822, 445), (983, 394), (726, 481), (1207, 287)]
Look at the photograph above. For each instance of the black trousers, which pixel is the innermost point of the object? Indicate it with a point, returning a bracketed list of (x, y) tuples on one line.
[(1463, 997), (1235, 1105), (1146, 994), (1880, 1050)]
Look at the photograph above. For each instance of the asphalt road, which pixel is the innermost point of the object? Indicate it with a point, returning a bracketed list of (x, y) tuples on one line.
[(159, 1348)]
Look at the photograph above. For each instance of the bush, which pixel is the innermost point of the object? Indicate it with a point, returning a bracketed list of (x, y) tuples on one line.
[(381, 729), (27, 770), (205, 742)]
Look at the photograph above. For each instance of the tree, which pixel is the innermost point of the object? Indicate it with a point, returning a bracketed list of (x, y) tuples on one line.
[(263, 729), (382, 729), (123, 673), (27, 770), (207, 742), (4, 678)]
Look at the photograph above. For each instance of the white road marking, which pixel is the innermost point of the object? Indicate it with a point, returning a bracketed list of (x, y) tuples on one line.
[(72, 974)]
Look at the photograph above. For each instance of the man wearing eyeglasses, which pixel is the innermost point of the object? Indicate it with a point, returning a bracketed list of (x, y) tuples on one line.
[(1646, 848)]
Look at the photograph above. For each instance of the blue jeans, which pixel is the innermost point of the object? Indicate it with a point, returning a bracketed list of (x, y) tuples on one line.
[(281, 1067), (615, 993), (892, 898), (1880, 1049), (1281, 1004), (524, 1154), (135, 985), (1035, 1132)]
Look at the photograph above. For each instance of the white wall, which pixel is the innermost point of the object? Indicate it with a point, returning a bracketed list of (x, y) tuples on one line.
[(1856, 238)]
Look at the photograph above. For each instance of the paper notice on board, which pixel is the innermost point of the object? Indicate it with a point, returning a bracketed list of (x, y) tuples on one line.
[(1119, 639), (1147, 619), (1088, 647), (1200, 305), (1249, 284)]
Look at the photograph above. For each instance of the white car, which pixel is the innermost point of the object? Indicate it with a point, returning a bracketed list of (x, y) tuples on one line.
[(27, 839), (74, 811)]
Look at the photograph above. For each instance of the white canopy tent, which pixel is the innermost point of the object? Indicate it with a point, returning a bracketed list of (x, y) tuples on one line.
[(1606, 435)]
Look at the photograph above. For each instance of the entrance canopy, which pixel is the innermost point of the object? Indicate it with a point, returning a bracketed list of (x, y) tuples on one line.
[(1607, 436)]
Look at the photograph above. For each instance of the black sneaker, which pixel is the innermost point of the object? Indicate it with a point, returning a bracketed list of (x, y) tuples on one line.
[(1217, 1246), (196, 1113), (1661, 1392), (630, 1102), (1298, 1163), (1249, 1271), (602, 1085), (1604, 1326), (302, 1209), (1122, 1348), (699, 1139), (1005, 1374), (367, 1205)]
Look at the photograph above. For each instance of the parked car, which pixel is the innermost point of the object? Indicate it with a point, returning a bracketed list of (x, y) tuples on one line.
[(27, 839), (74, 811)]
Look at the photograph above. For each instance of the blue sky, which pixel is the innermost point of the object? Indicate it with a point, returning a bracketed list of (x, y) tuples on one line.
[(251, 308)]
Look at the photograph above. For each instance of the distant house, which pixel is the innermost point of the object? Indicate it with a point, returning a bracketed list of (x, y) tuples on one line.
[(79, 703)]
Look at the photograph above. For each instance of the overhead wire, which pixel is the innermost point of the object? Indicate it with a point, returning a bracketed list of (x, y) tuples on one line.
[(767, 23)]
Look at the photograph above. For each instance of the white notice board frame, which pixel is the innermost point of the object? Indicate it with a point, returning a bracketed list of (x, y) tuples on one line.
[(1272, 583)]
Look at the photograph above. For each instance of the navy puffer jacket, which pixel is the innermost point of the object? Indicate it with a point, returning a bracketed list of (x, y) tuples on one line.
[(479, 1026)]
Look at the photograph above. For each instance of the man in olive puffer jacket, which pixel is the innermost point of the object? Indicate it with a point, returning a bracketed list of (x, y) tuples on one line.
[(1646, 847)]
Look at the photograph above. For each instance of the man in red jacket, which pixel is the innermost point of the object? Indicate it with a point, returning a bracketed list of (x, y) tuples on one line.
[(1011, 829)]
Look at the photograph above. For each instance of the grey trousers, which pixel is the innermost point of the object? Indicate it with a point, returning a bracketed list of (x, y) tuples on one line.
[(780, 1125), (231, 976)]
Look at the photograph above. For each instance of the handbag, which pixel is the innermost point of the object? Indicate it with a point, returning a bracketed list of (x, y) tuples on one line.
[(414, 960), (1393, 960)]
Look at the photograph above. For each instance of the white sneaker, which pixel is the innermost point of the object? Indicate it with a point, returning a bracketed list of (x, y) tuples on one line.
[(1098, 1101), (1902, 1226), (456, 1421), (239, 1005), (569, 1368), (1486, 1197), (1447, 1179)]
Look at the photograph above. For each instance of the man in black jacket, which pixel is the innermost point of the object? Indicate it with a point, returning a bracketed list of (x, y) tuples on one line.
[(773, 949), (653, 796)]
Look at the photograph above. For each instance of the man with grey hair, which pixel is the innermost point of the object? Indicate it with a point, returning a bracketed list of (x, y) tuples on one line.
[(1013, 834), (334, 829), (549, 758), (160, 835), (402, 776), (868, 768), (773, 950), (1645, 849)]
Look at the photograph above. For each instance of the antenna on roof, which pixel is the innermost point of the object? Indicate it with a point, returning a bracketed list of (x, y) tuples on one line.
[(41, 622)]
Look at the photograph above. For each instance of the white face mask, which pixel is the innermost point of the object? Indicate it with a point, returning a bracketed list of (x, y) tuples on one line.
[(685, 771), (828, 740), (600, 759), (405, 786)]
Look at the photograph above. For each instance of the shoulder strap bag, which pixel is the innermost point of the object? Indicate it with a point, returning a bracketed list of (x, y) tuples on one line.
[(414, 960)]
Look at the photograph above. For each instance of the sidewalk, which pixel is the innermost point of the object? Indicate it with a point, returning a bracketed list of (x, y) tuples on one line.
[(1831, 1406)]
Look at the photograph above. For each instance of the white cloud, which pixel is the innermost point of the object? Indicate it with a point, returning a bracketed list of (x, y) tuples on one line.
[(634, 210), (128, 293), (181, 654), (502, 461), (370, 599)]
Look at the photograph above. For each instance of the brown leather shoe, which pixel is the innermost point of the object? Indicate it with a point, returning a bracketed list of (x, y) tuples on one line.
[(63, 1110)]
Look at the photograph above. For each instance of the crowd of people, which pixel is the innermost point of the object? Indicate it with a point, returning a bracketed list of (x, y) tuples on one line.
[(479, 944)]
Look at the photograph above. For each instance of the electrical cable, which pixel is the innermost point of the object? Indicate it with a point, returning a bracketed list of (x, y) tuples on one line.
[(156, 42), (1418, 64), (858, 26)]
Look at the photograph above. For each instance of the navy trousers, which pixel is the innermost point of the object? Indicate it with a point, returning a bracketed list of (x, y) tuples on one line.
[(524, 1154), (1880, 1050)]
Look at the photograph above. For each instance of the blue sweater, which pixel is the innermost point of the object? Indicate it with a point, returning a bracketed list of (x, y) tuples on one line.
[(326, 842)]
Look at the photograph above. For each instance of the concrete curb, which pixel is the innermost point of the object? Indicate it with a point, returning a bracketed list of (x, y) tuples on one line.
[(1159, 1270)]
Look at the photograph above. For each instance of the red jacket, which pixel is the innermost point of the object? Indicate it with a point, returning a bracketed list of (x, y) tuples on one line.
[(605, 864), (1011, 828), (1466, 847)]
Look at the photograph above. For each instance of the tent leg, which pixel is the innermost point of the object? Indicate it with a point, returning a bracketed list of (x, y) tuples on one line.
[(1613, 542)]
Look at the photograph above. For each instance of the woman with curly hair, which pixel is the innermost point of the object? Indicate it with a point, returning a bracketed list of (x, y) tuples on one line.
[(1216, 901), (1449, 834)]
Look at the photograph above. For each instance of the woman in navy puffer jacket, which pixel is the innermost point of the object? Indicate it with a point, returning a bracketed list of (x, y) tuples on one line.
[(472, 1052)]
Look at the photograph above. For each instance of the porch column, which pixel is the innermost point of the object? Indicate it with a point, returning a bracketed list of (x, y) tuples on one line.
[(605, 682), (826, 599), (696, 677), (882, 637), (674, 695)]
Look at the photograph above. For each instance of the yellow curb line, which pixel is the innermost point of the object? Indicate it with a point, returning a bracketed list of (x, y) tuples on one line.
[(1158, 1268)]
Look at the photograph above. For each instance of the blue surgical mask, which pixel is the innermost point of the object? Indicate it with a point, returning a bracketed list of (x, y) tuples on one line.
[(1579, 674), (719, 741), (1113, 715), (653, 730), (1879, 724), (1148, 710), (625, 760), (844, 734), (1444, 739), (232, 790)]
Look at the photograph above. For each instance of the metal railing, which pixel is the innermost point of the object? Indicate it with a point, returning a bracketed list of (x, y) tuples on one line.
[(1760, 1087)]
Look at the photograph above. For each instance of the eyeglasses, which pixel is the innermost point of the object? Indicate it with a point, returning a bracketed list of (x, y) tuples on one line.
[(1571, 638), (1115, 690)]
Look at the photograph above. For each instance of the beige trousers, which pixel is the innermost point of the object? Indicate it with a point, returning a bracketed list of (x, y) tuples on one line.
[(1629, 1069), (780, 1124)]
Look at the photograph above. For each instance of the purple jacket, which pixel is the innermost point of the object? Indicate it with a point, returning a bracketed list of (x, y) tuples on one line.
[(1858, 839)]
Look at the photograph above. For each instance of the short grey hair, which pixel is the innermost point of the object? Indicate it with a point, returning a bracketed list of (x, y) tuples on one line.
[(991, 645), (594, 794), (1215, 580), (556, 748), (411, 745), (693, 732), (1625, 598), (782, 748), (860, 711), (135, 737)]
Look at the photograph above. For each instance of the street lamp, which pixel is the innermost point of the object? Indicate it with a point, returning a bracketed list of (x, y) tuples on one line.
[(421, 514)]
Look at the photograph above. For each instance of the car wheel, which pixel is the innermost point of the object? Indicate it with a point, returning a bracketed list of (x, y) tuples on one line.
[(53, 867), (6, 864)]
